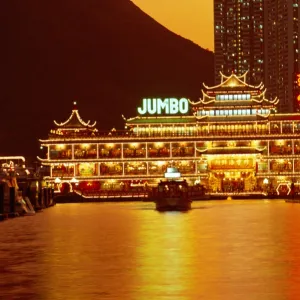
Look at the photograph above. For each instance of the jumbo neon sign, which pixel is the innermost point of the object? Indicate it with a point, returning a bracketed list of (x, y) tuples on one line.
[(169, 106)]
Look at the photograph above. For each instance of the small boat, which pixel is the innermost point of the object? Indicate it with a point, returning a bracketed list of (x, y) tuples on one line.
[(172, 195)]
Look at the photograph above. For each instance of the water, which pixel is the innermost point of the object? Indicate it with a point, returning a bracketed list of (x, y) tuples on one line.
[(219, 250)]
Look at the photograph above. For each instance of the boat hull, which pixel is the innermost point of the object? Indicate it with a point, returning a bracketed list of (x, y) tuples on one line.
[(173, 204)]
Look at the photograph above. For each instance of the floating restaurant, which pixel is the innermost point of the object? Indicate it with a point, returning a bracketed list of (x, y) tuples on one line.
[(231, 140)]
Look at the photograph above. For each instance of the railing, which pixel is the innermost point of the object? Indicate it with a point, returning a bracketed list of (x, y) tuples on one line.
[(136, 194), (157, 135), (111, 194)]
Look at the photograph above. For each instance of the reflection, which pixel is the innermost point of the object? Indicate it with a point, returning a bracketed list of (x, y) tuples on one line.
[(233, 250), (164, 256)]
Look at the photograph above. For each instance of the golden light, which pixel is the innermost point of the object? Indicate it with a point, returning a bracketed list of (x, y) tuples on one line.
[(57, 180), (283, 184), (266, 181), (298, 79), (279, 142)]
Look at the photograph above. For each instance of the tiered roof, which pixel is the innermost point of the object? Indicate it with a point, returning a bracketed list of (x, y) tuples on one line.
[(234, 93), (75, 121), (73, 126)]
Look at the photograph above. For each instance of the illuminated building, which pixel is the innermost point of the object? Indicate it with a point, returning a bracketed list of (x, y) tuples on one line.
[(231, 140), (239, 38), (261, 36)]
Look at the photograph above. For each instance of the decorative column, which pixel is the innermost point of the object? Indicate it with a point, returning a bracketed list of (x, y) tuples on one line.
[(293, 124), (72, 151)]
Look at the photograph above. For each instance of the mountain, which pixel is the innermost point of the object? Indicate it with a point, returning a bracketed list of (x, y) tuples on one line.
[(105, 54)]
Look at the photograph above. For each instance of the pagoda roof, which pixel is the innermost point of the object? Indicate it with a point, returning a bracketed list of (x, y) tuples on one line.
[(75, 121), (254, 100), (239, 103), (234, 118), (234, 82)]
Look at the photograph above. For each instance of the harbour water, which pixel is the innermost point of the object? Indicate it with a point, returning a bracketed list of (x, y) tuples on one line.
[(218, 250)]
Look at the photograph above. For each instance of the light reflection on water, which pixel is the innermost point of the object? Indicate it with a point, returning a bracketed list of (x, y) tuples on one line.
[(219, 250)]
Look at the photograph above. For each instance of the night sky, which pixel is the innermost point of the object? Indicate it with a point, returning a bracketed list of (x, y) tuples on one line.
[(107, 57)]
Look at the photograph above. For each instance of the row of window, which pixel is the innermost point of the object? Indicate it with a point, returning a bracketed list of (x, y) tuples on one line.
[(234, 97), (167, 150), (128, 168), (159, 168), (233, 112)]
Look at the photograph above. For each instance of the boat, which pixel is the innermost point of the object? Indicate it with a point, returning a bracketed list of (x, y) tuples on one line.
[(172, 194)]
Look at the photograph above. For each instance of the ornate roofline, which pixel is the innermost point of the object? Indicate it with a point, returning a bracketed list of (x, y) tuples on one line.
[(75, 114), (240, 79), (253, 99)]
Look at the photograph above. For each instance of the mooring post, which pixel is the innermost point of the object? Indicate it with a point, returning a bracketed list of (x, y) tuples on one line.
[(52, 196), (12, 200), (1, 201), (40, 199), (45, 194)]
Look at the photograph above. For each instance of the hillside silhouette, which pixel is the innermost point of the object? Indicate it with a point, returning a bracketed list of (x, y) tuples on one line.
[(106, 55)]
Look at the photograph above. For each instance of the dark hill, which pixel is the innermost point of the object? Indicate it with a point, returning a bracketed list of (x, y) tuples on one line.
[(104, 54)]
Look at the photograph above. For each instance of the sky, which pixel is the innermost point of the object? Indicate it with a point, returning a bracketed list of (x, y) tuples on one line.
[(192, 19)]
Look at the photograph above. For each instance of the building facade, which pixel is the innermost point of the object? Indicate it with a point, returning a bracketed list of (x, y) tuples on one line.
[(261, 36), (231, 140)]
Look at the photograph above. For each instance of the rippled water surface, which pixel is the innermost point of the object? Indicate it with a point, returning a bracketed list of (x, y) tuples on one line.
[(219, 250)]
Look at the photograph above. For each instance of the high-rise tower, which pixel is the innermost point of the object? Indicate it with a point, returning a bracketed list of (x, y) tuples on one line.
[(239, 38), (260, 36)]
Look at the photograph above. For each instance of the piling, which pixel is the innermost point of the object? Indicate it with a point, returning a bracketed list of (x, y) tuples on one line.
[(45, 196), (2, 217), (12, 203)]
